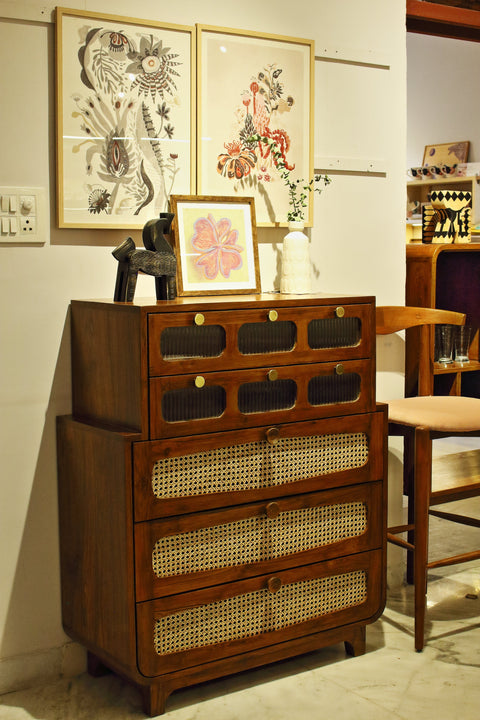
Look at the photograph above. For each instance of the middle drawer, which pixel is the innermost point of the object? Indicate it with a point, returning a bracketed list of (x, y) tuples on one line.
[(185, 404), (193, 551)]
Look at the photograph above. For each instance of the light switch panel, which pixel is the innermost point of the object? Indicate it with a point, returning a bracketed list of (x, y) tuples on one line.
[(23, 215)]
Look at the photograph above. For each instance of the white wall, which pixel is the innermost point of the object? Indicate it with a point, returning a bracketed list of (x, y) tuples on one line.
[(443, 102), (357, 247)]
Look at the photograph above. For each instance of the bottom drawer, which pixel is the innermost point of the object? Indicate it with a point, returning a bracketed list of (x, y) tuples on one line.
[(184, 630)]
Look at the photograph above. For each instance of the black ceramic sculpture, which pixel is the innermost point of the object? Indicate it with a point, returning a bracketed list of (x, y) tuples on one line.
[(158, 259)]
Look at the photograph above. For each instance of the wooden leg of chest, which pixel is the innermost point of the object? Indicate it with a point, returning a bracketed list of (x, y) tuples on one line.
[(154, 698), (355, 645)]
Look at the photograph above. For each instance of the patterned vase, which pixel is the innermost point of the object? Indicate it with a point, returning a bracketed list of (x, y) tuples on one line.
[(296, 274)]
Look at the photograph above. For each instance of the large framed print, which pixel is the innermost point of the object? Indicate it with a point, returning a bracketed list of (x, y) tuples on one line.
[(250, 83), (125, 118), (216, 245)]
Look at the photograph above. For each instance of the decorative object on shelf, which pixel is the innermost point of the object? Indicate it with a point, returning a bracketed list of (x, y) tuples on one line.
[(447, 218), (216, 245), (125, 118), (446, 153), (158, 259), (249, 83), (296, 273)]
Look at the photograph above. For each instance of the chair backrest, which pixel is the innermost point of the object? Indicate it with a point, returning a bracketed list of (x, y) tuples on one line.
[(392, 318)]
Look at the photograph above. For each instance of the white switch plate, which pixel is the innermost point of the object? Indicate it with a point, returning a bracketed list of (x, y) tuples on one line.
[(23, 215)]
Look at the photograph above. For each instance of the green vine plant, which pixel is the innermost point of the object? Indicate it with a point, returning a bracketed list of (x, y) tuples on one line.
[(298, 189)]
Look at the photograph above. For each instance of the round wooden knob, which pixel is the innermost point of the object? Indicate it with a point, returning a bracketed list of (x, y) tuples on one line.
[(272, 315), (273, 435), (199, 381), (273, 374), (274, 584), (339, 369), (272, 510), (339, 311), (199, 319)]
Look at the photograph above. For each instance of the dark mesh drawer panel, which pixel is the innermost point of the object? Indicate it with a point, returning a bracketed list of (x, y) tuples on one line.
[(332, 389), (188, 342), (193, 403), (267, 337), (258, 612), (334, 332), (266, 396)]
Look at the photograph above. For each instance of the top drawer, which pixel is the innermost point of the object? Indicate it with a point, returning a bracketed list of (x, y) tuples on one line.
[(194, 342)]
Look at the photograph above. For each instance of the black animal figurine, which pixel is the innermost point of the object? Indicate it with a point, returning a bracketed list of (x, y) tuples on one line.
[(158, 259)]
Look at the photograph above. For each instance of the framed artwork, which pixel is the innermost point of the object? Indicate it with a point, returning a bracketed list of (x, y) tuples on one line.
[(446, 153), (216, 245), (125, 118), (250, 83)]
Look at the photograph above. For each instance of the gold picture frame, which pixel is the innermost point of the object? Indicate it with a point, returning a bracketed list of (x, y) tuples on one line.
[(254, 83), (125, 91), (453, 153), (215, 244)]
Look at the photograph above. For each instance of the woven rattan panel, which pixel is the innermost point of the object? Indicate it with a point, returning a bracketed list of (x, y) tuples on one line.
[(258, 612), (258, 464), (256, 539)]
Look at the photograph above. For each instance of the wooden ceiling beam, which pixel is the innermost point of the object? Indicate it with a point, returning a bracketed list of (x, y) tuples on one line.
[(443, 20)]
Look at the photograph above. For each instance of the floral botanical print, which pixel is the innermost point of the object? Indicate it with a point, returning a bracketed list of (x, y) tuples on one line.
[(127, 144), (263, 103), (216, 243)]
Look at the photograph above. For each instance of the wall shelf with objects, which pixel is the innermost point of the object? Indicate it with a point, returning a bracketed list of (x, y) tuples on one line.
[(445, 276), (417, 195)]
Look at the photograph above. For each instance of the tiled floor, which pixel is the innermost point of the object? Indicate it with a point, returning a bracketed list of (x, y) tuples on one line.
[(390, 681)]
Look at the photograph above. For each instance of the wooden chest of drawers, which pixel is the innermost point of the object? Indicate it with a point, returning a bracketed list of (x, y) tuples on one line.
[(221, 484)]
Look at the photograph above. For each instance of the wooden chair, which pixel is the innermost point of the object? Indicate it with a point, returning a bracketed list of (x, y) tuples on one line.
[(420, 420)]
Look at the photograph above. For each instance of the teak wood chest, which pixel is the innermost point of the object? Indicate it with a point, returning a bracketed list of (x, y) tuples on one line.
[(221, 484)]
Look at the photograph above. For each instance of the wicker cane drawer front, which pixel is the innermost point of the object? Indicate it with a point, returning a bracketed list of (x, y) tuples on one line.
[(182, 404), (207, 548), (215, 470), (199, 342), (184, 630)]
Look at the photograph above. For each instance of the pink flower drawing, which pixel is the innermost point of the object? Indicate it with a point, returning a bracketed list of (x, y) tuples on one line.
[(217, 244)]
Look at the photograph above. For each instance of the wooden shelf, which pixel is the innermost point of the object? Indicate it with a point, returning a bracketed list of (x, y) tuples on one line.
[(445, 276), (451, 368)]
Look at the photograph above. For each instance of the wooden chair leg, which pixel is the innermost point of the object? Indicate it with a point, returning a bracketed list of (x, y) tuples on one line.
[(408, 489), (422, 488)]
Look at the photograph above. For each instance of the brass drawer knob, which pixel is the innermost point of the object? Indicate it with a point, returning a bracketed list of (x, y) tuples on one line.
[(273, 374), (274, 584), (199, 319), (272, 510), (272, 315), (199, 381), (339, 369), (273, 435), (340, 311)]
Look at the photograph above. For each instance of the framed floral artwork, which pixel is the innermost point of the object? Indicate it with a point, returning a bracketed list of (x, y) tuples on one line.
[(216, 245), (251, 83), (125, 118)]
